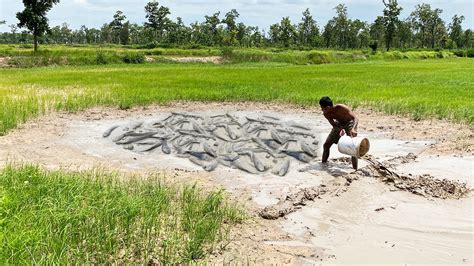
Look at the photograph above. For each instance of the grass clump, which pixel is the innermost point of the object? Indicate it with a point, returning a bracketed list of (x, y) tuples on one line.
[(92, 217)]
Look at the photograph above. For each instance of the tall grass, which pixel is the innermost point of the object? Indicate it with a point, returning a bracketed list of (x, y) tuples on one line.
[(97, 55), (424, 88), (93, 218)]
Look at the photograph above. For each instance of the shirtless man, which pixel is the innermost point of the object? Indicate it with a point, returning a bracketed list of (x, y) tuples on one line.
[(341, 118)]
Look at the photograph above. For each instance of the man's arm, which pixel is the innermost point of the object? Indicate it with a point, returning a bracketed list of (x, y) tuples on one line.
[(332, 121), (356, 123)]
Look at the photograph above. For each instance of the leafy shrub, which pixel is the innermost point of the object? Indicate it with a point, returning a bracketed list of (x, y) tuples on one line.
[(470, 53), (319, 58), (227, 52), (133, 58), (460, 53), (101, 59)]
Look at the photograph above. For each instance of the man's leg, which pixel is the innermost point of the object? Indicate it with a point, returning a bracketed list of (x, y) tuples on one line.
[(327, 146), (332, 138), (354, 162)]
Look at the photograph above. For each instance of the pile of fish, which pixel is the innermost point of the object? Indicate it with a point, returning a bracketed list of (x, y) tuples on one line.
[(254, 145)]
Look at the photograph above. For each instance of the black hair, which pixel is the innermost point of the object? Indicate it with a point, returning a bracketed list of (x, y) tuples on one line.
[(325, 101)]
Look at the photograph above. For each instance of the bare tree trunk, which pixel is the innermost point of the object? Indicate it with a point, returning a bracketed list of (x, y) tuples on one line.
[(36, 42)]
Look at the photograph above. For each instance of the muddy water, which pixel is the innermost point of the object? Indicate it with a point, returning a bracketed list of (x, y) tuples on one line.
[(370, 224), (406, 228)]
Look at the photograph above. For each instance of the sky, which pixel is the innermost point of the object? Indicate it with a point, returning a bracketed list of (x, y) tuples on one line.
[(261, 13)]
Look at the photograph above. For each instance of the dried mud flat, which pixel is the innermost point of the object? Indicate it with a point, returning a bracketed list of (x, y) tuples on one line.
[(332, 214)]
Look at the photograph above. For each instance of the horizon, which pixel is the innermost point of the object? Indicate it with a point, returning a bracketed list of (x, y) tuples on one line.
[(261, 13)]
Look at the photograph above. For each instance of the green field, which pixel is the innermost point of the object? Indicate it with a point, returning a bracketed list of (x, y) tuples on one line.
[(93, 217), (439, 88)]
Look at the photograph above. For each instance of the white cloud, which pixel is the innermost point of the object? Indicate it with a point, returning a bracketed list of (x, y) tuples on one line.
[(80, 2)]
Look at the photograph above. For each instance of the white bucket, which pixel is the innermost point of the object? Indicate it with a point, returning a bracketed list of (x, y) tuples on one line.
[(356, 147)]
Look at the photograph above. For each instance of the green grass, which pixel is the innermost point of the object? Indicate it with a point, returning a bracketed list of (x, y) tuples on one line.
[(92, 217), (440, 88), (97, 55)]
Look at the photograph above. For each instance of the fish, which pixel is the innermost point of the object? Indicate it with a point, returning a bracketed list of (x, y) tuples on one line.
[(137, 138), (276, 137), (271, 143), (165, 148), (307, 149), (194, 134), (239, 164), (210, 166), (197, 127), (261, 121), (282, 169), (294, 132), (132, 134), (196, 161), (224, 162), (268, 150), (209, 150), (231, 133), (128, 147), (271, 117), (152, 147), (134, 125), (300, 156), (234, 119), (109, 131), (298, 126), (258, 163)]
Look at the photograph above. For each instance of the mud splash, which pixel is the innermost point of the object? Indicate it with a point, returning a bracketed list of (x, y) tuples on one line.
[(423, 185)]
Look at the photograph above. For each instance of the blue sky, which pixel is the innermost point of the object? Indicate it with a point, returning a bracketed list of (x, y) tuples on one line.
[(262, 13)]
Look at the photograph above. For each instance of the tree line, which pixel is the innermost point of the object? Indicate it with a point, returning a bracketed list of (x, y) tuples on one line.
[(423, 28)]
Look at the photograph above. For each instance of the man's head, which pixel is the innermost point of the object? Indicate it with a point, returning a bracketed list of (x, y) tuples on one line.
[(325, 103)]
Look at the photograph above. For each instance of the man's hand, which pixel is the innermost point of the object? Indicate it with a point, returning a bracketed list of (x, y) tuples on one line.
[(353, 133)]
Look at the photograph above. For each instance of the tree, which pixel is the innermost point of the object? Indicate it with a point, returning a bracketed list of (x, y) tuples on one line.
[(455, 30), (274, 33), (358, 34), (405, 34), (428, 24), (33, 17), (3, 22), (211, 29), (341, 26), (158, 20), (288, 32), (117, 26), (308, 31), (231, 26), (468, 39), (390, 20)]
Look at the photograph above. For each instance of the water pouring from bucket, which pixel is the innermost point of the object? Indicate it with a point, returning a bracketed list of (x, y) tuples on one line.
[(356, 147)]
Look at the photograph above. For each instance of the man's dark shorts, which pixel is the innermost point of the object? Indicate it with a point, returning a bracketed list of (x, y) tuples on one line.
[(334, 136)]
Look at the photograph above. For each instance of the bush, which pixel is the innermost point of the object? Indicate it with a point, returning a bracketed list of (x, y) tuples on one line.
[(133, 58), (460, 53), (227, 52), (319, 58), (101, 59), (470, 53)]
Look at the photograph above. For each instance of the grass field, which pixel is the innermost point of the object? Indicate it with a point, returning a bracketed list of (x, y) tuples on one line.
[(442, 88), (92, 217)]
